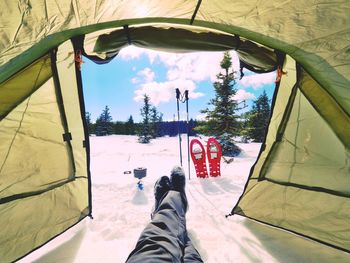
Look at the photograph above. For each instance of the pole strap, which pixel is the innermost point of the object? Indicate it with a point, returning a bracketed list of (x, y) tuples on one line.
[(127, 32)]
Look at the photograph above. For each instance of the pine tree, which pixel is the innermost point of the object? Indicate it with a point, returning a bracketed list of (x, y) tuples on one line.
[(258, 118), (90, 125), (244, 133), (156, 118), (145, 134), (130, 126), (119, 127), (150, 127), (222, 120), (104, 125)]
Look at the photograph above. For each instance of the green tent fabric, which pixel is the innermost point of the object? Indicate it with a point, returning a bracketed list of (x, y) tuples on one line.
[(301, 179)]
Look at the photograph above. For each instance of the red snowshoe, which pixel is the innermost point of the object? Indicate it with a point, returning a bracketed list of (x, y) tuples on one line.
[(214, 154), (198, 157)]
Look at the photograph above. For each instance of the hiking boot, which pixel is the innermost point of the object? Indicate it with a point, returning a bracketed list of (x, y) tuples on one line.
[(178, 183), (178, 179), (161, 187)]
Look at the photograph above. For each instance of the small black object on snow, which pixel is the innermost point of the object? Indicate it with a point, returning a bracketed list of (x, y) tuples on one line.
[(140, 172)]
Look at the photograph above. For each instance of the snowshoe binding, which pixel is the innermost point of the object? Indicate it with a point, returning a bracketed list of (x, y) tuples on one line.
[(214, 154)]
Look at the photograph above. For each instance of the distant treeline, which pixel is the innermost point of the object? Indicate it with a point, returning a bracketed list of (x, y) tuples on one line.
[(164, 128)]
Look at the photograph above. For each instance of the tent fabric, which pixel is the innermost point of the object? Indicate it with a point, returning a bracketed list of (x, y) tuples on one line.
[(297, 28), (33, 154), (317, 215), (327, 107), (69, 88), (33, 76), (35, 173), (300, 158), (182, 40), (300, 181), (165, 39), (284, 94), (44, 184), (54, 213)]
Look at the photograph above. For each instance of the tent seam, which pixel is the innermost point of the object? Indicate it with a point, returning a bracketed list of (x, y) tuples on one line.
[(60, 103), (86, 141), (309, 188)]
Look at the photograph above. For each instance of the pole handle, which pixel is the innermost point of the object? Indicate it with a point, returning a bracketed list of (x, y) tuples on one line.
[(177, 93), (186, 95)]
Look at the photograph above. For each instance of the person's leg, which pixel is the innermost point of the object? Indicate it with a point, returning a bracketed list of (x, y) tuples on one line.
[(164, 238), (161, 187), (191, 255)]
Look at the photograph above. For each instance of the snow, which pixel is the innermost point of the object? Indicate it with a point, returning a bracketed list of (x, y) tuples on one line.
[(121, 211)]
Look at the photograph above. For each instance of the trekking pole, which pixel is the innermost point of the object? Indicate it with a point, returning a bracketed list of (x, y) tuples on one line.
[(188, 136), (178, 122)]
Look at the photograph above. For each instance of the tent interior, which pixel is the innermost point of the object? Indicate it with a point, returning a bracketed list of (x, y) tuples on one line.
[(301, 179)]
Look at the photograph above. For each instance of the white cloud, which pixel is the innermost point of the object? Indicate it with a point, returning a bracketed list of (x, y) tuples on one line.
[(196, 66), (131, 52), (257, 81), (144, 76), (147, 74), (243, 95), (183, 72), (135, 80), (165, 91), (152, 55)]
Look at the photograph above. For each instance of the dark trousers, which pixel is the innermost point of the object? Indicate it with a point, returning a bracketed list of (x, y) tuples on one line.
[(165, 238)]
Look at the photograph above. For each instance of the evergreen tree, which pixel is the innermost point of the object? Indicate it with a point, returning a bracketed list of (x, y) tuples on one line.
[(90, 125), (244, 133), (104, 125), (258, 118), (222, 120), (119, 127), (150, 127), (130, 126), (156, 119), (145, 134)]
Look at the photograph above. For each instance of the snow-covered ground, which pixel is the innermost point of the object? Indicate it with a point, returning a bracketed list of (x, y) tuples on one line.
[(121, 211)]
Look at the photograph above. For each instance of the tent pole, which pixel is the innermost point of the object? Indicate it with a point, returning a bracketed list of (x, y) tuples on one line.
[(178, 122), (188, 136)]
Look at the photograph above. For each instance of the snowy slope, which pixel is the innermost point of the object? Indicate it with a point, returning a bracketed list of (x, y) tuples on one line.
[(121, 211)]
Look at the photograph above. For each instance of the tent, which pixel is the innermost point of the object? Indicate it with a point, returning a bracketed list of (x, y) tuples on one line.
[(301, 179)]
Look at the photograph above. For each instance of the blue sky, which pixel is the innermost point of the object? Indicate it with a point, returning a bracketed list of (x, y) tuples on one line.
[(121, 83)]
